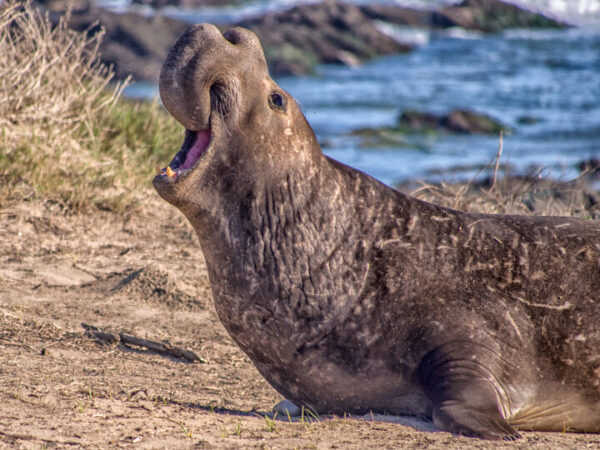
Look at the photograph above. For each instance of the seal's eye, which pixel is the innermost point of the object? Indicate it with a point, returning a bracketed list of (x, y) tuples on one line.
[(277, 101)]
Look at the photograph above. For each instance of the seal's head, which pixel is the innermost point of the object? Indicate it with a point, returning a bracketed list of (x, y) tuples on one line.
[(242, 129)]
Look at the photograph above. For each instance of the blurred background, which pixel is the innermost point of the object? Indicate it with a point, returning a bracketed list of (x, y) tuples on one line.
[(403, 90)]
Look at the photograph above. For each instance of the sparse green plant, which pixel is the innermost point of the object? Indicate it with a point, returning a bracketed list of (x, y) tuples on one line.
[(270, 423), (188, 432), (313, 415), (238, 429), (309, 416), (306, 417)]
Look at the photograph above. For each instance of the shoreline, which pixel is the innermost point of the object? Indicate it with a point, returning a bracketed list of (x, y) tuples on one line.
[(306, 34)]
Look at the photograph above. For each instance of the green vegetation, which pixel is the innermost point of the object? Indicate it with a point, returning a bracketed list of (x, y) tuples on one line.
[(270, 424), (187, 432), (65, 133)]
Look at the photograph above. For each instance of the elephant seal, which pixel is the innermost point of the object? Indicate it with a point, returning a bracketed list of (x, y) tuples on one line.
[(350, 296)]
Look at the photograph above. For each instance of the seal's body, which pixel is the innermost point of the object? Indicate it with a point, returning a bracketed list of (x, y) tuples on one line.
[(349, 296)]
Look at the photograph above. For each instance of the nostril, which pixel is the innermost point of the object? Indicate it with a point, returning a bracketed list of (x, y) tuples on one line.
[(234, 36)]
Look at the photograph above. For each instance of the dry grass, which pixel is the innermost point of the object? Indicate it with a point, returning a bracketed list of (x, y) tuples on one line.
[(52, 89), (503, 193), (65, 134)]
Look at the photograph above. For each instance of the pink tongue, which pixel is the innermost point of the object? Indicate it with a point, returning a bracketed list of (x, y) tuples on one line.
[(202, 141)]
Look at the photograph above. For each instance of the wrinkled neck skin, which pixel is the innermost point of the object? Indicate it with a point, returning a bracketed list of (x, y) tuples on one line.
[(286, 250)]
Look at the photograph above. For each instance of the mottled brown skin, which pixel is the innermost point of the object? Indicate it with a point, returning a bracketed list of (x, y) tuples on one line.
[(349, 296)]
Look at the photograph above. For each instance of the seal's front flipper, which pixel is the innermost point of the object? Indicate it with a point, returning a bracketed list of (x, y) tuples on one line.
[(461, 418), (465, 395)]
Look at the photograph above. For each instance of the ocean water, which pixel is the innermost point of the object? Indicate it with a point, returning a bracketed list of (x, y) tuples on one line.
[(544, 85)]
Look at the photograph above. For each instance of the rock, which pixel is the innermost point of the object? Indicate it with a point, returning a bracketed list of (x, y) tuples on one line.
[(133, 44), (528, 120), (457, 121), (481, 15), (330, 32), (334, 32), (399, 15), (460, 121), (419, 121), (490, 16), (158, 4), (385, 137), (295, 40)]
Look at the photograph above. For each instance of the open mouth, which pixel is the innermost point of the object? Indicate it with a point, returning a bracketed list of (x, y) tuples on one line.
[(194, 146)]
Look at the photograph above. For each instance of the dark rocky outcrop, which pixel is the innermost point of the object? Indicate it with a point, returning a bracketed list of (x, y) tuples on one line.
[(330, 32), (132, 44), (480, 15), (490, 16), (457, 121), (295, 40), (157, 4), (398, 15), (335, 32), (410, 122)]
